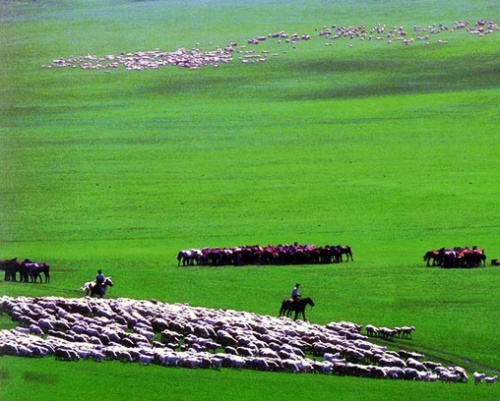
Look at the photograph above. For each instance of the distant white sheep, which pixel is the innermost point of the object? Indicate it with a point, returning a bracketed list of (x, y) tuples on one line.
[(478, 377), (406, 331)]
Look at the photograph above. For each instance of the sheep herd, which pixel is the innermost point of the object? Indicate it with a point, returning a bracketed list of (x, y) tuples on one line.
[(265, 255), (179, 335), (280, 42), (143, 60)]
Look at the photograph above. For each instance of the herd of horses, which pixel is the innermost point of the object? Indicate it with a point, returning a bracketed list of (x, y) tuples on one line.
[(297, 254), (265, 255), (456, 257), (28, 271)]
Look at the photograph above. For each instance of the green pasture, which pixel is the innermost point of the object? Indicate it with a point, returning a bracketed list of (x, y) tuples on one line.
[(391, 149)]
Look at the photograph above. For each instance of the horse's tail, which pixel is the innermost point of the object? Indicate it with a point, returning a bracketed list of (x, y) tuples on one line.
[(284, 308)]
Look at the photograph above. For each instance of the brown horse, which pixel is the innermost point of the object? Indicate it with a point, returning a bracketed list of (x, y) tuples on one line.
[(433, 256), (288, 306)]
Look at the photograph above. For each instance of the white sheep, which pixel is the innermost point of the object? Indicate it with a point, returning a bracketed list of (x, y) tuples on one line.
[(371, 330), (461, 372), (406, 331), (491, 380), (478, 377)]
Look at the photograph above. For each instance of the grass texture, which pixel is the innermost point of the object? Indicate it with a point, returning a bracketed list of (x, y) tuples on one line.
[(391, 149)]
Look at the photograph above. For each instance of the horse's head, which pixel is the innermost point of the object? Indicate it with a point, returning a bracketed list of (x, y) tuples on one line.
[(108, 282), (310, 302)]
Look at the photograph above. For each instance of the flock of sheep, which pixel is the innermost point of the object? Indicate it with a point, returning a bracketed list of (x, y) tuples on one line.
[(144, 60), (282, 42), (179, 335)]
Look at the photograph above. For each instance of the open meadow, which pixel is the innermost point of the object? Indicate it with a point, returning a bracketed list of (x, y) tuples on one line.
[(387, 144)]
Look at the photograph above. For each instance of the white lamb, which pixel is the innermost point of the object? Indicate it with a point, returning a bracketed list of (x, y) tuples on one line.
[(478, 377)]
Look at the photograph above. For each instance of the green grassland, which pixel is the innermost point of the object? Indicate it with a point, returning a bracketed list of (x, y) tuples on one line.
[(391, 149)]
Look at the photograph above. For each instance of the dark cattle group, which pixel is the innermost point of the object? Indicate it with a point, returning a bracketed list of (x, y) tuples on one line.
[(456, 257), (265, 255), (28, 271)]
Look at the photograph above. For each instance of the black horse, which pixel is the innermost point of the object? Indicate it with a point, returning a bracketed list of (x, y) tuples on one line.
[(35, 270), (433, 256), (11, 267), (288, 306)]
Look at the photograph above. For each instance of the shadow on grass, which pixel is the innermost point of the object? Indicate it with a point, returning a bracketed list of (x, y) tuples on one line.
[(37, 377), (332, 79), (385, 78)]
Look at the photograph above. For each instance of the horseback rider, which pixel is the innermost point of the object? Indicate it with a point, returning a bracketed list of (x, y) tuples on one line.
[(295, 293), (99, 281)]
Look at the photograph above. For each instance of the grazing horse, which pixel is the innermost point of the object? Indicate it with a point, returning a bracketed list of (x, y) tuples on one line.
[(188, 257), (90, 288), (288, 306), (11, 268), (35, 270), (433, 256), (346, 250)]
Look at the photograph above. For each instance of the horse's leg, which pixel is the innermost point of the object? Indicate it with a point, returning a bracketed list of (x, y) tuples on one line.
[(283, 309)]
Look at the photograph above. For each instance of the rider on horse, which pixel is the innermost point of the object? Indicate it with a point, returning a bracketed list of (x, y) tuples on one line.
[(99, 281), (295, 293)]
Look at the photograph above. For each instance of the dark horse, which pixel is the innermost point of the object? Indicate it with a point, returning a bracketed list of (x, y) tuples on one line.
[(188, 257), (11, 268), (35, 271), (288, 306)]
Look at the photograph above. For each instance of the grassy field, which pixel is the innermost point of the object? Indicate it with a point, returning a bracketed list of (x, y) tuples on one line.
[(391, 149)]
